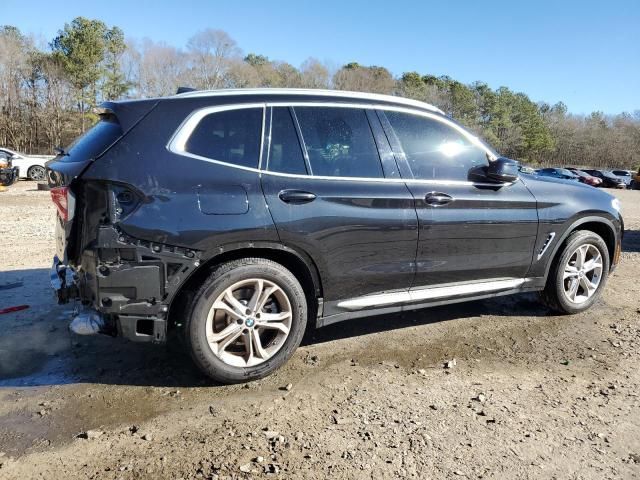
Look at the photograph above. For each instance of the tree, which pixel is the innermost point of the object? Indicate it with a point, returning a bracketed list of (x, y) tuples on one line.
[(314, 74), (82, 47), (45, 95), (356, 77), (161, 69), (114, 85), (211, 52)]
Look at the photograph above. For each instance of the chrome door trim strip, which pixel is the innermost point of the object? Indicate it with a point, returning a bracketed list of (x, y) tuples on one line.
[(430, 293)]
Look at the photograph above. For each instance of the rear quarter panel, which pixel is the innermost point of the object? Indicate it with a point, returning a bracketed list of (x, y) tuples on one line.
[(182, 197)]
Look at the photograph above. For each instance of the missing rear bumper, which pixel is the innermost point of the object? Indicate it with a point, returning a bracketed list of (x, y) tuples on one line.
[(63, 281), (134, 328)]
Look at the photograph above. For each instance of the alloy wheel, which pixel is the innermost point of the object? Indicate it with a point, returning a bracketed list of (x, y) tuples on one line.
[(36, 173), (582, 273), (249, 322)]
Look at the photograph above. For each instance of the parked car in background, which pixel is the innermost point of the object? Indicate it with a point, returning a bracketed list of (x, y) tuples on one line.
[(29, 166), (561, 173), (586, 178), (8, 173), (625, 175), (293, 207), (609, 180)]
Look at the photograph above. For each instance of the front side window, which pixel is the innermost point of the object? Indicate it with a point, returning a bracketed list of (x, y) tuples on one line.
[(435, 150), (339, 142), (231, 136)]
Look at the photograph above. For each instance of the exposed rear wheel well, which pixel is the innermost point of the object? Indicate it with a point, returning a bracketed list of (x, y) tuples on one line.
[(308, 277)]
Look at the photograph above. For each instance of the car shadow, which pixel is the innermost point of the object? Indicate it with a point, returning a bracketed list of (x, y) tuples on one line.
[(37, 349)]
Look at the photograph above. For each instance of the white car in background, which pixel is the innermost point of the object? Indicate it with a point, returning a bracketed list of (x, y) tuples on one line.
[(29, 166)]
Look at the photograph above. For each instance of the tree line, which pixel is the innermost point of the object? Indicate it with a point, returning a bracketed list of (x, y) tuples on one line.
[(48, 93)]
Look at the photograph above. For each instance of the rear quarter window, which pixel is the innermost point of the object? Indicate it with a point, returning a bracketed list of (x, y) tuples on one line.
[(230, 136)]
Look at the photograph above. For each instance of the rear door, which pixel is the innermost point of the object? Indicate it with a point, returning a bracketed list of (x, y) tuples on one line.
[(334, 191), (469, 231)]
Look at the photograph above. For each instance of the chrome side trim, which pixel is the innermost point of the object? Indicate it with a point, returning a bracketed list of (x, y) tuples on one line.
[(310, 92), (430, 293)]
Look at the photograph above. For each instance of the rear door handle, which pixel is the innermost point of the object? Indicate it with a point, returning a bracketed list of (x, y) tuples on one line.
[(438, 198), (296, 197)]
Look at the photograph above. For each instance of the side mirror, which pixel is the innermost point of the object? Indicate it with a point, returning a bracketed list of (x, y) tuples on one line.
[(503, 170)]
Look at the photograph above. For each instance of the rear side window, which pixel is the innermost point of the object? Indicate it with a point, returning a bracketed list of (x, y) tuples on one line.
[(339, 142), (435, 150), (95, 141), (285, 153), (231, 136)]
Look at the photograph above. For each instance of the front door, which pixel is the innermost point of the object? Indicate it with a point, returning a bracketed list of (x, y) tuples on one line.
[(337, 196), (469, 231)]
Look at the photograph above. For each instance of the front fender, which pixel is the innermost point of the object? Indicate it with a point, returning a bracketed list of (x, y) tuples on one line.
[(601, 223)]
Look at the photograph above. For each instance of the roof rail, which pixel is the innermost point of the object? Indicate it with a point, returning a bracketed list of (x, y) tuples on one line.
[(309, 91)]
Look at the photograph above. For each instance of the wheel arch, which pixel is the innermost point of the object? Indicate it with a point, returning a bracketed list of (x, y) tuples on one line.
[(599, 225), (299, 263)]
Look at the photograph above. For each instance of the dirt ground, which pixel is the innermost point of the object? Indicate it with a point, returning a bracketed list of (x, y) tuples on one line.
[(531, 394)]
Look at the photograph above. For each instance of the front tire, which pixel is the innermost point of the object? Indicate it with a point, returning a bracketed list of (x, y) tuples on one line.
[(246, 320), (36, 173), (578, 275)]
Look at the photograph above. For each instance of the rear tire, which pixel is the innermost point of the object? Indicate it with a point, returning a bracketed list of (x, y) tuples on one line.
[(575, 281), (246, 320), (36, 173)]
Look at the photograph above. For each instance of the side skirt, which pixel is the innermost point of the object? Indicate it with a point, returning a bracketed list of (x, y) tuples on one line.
[(528, 285)]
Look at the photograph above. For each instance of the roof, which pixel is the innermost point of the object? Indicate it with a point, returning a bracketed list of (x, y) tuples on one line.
[(310, 92)]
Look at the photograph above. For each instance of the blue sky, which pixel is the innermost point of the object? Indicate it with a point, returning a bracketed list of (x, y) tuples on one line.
[(585, 53)]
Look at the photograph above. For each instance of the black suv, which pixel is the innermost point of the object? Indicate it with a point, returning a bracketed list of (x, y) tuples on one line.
[(236, 218)]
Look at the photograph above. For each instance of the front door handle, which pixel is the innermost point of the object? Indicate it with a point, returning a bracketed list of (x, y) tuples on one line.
[(296, 197), (438, 198)]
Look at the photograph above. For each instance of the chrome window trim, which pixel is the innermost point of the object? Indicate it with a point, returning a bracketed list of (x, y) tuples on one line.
[(310, 92), (468, 135), (183, 132), (179, 139), (435, 292)]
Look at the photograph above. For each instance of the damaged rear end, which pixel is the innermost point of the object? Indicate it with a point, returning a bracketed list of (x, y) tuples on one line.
[(119, 284)]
